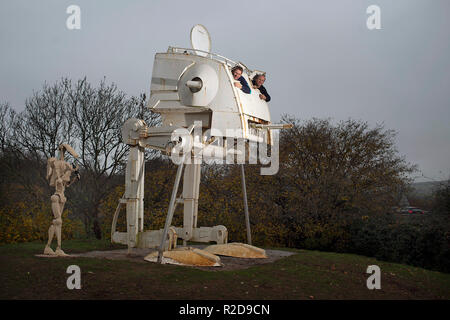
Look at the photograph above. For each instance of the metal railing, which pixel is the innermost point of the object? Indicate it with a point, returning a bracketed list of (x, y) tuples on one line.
[(209, 55)]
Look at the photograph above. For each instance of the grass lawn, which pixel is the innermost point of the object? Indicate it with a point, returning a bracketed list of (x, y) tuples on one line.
[(305, 275)]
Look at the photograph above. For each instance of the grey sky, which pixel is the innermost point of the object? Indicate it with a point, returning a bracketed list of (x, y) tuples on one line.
[(320, 58)]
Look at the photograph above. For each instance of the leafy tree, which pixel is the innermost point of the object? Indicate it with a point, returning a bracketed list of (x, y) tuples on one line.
[(344, 167)]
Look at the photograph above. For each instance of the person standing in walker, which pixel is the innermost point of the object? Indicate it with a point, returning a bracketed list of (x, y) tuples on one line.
[(240, 82), (258, 82)]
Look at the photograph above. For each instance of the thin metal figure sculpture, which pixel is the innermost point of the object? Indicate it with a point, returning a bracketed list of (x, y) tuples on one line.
[(59, 173)]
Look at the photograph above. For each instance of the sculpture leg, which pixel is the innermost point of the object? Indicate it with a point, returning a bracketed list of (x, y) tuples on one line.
[(58, 227), (191, 185), (52, 230), (57, 208), (134, 193), (59, 223), (51, 233)]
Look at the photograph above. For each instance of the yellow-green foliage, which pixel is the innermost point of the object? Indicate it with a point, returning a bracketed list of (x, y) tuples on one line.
[(24, 222)]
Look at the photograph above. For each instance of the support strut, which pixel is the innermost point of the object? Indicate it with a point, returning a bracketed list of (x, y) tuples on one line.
[(170, 211), (244, 194)]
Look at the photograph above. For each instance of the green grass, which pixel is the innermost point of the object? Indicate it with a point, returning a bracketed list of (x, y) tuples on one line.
[(72, 246), (304, 275)]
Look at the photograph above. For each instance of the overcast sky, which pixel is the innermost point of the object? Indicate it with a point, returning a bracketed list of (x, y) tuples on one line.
[(321, 59)]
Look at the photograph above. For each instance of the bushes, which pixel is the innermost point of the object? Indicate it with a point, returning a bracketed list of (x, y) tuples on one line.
[(418, 241), (25, 222)]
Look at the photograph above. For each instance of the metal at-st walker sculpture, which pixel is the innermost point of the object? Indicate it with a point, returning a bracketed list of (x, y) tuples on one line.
[(60, 175), (192, 89)]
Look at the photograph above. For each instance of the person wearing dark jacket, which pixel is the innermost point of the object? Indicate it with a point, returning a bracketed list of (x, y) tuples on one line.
[(237, 75), (258, 82)]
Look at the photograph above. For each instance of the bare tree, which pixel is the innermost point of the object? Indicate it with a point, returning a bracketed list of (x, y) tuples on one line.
[(6, 156), (36, 134), (89, 119), (6, 114), (45, 123), (98, 115)]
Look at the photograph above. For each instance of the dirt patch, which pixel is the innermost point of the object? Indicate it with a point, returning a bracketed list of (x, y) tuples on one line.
[(229, 263)]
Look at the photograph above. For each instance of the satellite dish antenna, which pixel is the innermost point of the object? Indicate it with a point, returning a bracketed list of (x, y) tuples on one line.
[(200, 40)]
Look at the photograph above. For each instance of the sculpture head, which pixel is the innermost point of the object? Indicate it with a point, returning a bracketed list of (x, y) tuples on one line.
[(65, 147)]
